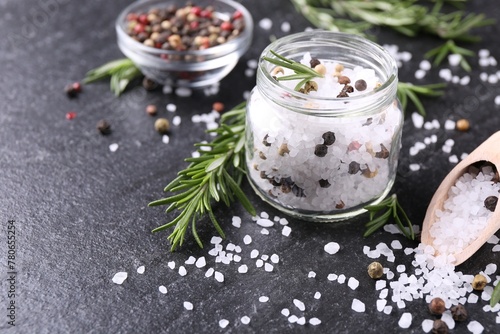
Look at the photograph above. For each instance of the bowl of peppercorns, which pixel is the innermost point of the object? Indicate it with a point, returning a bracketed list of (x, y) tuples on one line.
[(184, 44)]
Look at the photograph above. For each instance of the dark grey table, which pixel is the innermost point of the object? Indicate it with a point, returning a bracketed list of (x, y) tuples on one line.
[(81, 212)]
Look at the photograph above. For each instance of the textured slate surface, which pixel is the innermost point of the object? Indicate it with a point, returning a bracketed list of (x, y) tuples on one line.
[(81, 211)]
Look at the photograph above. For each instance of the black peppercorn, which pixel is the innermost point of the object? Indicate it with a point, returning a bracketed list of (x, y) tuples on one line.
[(298, 191), (263, 175), (328, 138), (354, 167), (360, 85), (348, 89), (104, 127), (459, 313), (320, 150), (149, 84), (314, 62), (491, 203), (71, 90), (265, 142), (324, 183), (439, 327)]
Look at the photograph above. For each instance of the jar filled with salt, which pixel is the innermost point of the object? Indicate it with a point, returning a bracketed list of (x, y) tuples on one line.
[(323, 148)]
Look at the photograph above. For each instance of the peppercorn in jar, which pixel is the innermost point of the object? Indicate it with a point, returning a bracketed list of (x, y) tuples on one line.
[(323, 146)]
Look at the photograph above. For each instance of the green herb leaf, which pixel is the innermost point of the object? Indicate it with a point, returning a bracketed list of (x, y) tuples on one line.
[(121, 72), (495, 296), (213, 177), (387, 208), (409, 91)]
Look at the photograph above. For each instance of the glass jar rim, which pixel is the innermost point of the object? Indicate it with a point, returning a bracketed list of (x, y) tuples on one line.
[(387, 88)]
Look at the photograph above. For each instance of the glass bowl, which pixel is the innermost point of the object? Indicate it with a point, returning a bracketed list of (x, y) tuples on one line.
[(190, 67)]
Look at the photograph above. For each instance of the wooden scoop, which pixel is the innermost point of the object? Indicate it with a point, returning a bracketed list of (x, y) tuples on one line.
[(488, 151)]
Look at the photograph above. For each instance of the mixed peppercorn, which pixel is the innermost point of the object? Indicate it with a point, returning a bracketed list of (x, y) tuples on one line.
[(186, 28)]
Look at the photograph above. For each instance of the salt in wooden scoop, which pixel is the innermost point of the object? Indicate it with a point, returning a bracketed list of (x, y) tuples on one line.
[(488, 151)]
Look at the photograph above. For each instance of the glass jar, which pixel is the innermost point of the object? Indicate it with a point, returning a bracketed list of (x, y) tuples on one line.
[(324, 155)]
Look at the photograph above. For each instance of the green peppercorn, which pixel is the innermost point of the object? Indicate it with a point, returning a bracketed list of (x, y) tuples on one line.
[(479, 282), (162, 125), (375, 270)]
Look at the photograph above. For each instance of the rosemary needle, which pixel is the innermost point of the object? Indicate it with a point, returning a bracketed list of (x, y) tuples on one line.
[(212, 177)]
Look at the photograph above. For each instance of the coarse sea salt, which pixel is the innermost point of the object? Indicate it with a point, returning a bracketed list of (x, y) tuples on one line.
[(188, 306), (223, 323), (317, 295), (263, 299), (141, 270), (332, 247), (353, 283), (245, 320), (314, 321), (162, 289), (299, 304), (358, 306), (119, 277), (286, 231)]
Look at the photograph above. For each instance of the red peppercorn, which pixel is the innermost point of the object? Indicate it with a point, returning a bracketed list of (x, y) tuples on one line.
[(226, 26), (138, 28), (194, 25), (132, 17), (70, 115), (206, 14), (77, 87), (237, 15), (196, 10), (143, 18)]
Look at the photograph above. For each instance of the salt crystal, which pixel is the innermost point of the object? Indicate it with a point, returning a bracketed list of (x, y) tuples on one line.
[(464, 81), (472, 298), (418, 120), (396, 244), (171, 265), (182, 271), (286, 231), (285, 26), (490, 269), (183, 92), (492, 79), (341, 279), (425, 65), (119, 277), (236, 258), (243, 269), (301, 321), (141, 269), (245, 320), (236, 221), (195, 154), (427, 325), (401, 268), (167, 89), (484, 53), (299, 304), (264, 222), (171, 107), (332, 277), (268, 267), (492, 61), (176, 120), (445, 73), (405, 320), (317, 295), (249, 72), (314, 321), (292, 319), (358, 305), (113, 147), (263, 299), (252, 63), (275, 258), (380, 284), (247, 239), (311, 274), (483, 76), (497, 100), (201, 262), (285, 312), (475, 327), (496, 248), (388, 309), (332, 247), (449, 124), (254, 253), (216, 240), (283, 221), (493, 240), (188, 306), (454, 59), (162, 289), (353, 283), (190, 260), (414, 167), (219, 277), (165, 139), (223, 323), (264, 231), (381, 304), (419, 74), (259, 263), (448, 319), (453, 159), (266, 23)]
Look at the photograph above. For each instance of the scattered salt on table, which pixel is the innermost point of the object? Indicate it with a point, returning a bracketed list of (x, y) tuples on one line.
[(188, 306), (119, 277), (358, 305), (332, 247), (162, 289), (299, 304), (141, 270), (405, 320)]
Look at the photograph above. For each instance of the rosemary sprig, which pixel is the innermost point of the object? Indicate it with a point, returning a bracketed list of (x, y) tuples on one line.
[(408, 17), (214, 176), (412, 92), (447, 48), (120, 71), (495, 296), (389, 208), (302, 72)]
